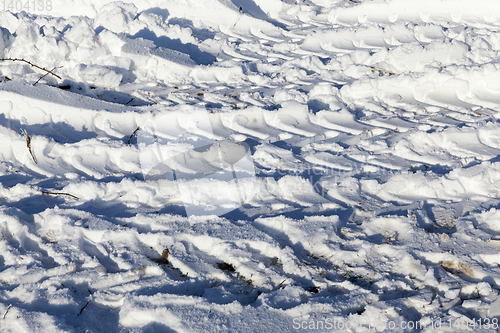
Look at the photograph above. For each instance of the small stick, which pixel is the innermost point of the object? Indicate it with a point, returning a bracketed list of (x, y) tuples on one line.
[(133, 134), (130, 101), (28, 143), (31, 64), (382, 70), (7, 311), (41, 77), (61, 193), (84, 307)]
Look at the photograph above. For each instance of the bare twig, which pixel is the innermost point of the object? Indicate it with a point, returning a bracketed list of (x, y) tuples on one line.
[(61, 193), (84, 307), (28, 143), (41, 77), (33, 65), (133, 134), (7, 311), (130, 101), (382, 70)]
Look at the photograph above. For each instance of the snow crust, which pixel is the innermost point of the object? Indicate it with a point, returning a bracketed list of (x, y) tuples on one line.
[(250, 166)]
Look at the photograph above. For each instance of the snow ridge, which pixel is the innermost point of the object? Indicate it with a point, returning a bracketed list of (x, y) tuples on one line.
[(250, 166)]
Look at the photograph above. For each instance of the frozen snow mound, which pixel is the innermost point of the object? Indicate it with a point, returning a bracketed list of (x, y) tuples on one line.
[(250, 166)]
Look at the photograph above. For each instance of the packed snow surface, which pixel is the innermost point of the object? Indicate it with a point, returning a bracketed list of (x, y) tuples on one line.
[(250, 166)]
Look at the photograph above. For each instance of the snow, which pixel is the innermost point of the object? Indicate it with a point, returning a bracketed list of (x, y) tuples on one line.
[(249, 166)]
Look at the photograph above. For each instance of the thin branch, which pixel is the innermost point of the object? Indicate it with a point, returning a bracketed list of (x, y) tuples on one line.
[(382, 70), (133, 134), (28, 143), (84, 307), (7, 311), (61, 193), (33, 65), (41, 77)]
